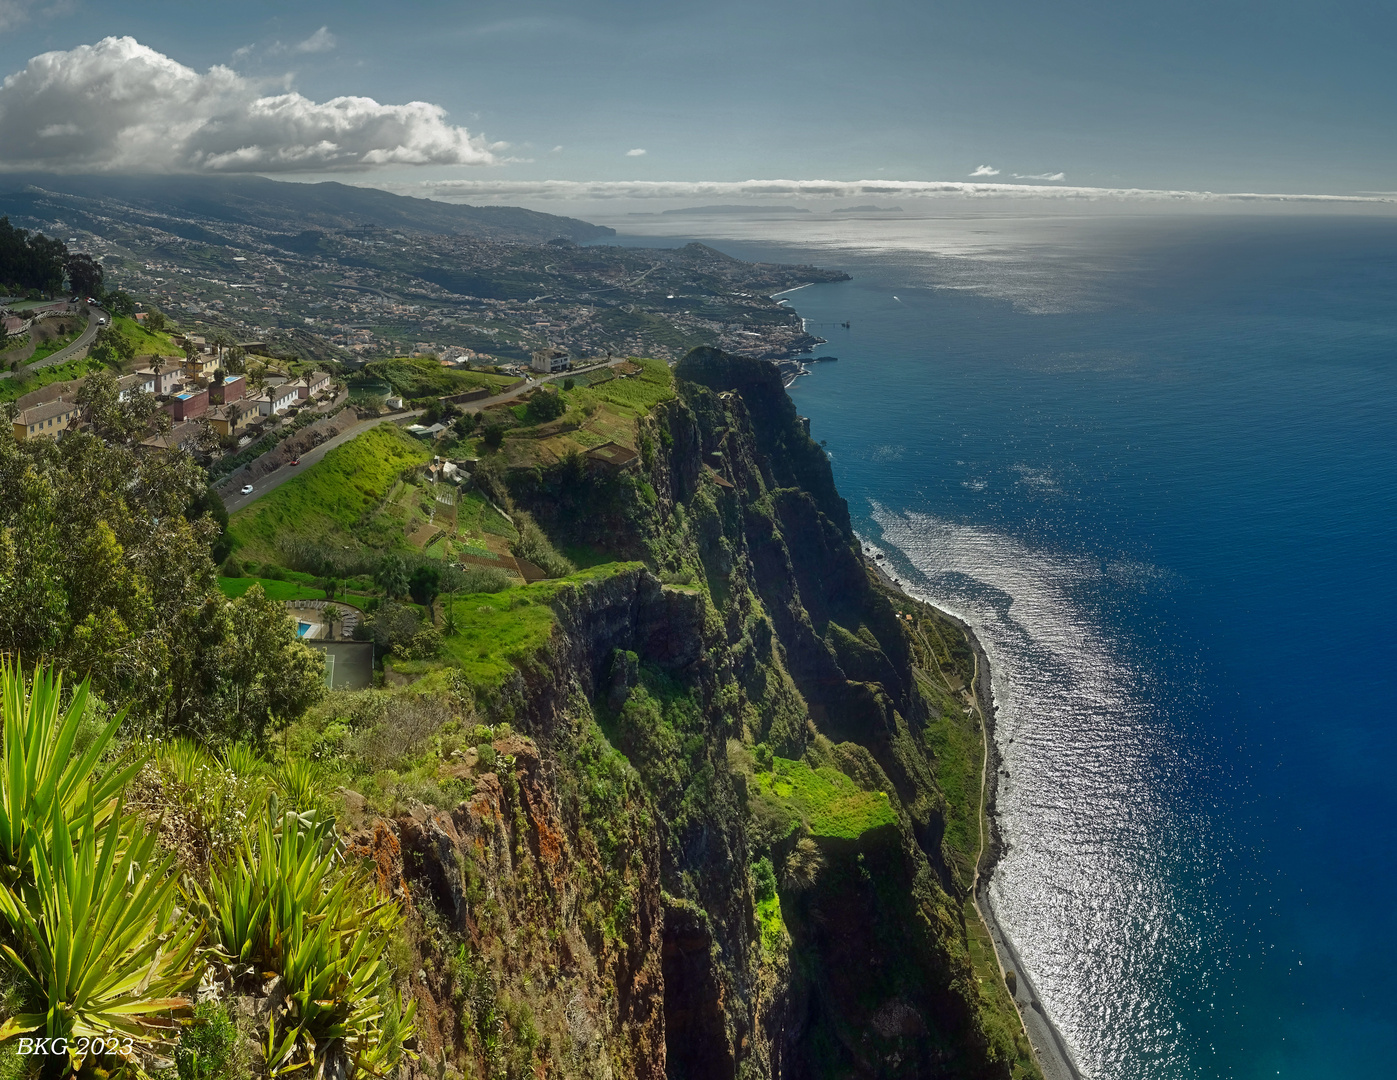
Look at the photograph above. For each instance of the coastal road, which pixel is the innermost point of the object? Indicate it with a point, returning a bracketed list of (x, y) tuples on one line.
[(274, 480)]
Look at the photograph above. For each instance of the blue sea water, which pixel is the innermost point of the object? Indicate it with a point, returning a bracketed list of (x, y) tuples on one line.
[(1152, 459)]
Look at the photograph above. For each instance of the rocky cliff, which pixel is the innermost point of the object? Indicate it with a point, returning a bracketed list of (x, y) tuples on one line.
[(711, 835)]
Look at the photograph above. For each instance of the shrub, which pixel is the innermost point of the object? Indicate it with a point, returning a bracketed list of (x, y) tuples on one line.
[(545, 405), (763, 880), (284, 902), (231, 567), (208, 1048), (537, 549)]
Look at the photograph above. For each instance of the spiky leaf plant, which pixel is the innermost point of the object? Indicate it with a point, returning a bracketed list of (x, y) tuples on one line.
[(42, 778), (285, 902), (98, 936)]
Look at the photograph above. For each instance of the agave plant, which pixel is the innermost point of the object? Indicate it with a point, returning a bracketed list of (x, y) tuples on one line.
[(284, 902), (97, 935), (301, 784), (243, 761), (40, 778)]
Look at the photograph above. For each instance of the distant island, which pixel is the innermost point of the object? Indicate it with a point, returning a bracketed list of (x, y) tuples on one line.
[(868, 210), (735, 209)]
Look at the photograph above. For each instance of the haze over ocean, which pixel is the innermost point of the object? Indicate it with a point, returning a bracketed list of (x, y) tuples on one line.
[(1151, 459)]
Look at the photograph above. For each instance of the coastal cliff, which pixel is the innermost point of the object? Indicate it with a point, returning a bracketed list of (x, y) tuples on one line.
[(727, 816)]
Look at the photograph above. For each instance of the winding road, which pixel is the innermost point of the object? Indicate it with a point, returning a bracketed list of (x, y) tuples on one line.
[(73, 349), (235, 501)]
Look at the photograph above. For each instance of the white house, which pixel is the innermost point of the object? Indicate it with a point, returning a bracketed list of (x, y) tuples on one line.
[(276, 399), (550, 360)]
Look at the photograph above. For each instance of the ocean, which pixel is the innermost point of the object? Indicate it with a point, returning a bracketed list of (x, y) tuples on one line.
[(1150, 456)]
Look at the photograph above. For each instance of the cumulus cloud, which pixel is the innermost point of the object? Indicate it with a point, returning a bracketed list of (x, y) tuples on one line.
[(495, 190), (985, 170), (120, 106), (320, 41), (637, 152), (1040, 176)]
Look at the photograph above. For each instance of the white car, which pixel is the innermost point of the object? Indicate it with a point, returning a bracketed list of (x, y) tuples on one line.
[(247, 489), (102, 321)]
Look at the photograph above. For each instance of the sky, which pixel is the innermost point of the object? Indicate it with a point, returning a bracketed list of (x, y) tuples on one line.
[(450, 98)]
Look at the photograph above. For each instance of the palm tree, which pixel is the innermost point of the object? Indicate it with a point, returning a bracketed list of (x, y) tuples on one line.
[(332, 615)]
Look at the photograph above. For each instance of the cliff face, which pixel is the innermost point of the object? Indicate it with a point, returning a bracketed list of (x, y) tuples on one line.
[(714, 843)]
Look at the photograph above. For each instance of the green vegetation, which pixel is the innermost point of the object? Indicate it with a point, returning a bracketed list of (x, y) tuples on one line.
[(768, 904), (823, 799), (494, 631), (18, 385), (421, 377), (279, 591), (133, 339), (95, 937), (335, 502), (106, 936), (282, 905)]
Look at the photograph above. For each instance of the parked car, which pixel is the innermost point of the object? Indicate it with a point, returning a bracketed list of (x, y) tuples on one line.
[(247, 489)]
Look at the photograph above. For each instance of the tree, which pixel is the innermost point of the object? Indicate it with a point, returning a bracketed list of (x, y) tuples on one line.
[(113, 420), (333, 616), (111, 346), (118, 303), (155, 319), (84, 275), (392, 576), (546, 405), (105, 568), (31, 262), (268, 675), (424, 583), (493, 437)]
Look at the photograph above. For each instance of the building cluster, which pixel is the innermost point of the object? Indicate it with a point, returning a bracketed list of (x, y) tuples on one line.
[(192, 390)]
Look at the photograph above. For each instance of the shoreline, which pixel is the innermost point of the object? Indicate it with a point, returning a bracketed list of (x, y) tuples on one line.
[(1049, 1048)]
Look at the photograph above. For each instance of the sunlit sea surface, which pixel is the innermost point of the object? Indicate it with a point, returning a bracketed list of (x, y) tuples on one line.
[(1152, 460)]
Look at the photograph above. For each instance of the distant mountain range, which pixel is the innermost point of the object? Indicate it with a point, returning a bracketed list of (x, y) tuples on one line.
[(177, 204)]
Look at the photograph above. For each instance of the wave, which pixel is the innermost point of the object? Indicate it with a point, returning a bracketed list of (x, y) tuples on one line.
[(1096, 842)]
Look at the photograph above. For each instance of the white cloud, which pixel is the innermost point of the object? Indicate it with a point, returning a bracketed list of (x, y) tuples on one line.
[(488, 190), (121, 106), (320, 41), (985, 170), (14, 12), (557, 149), (637, 152), (1040, 176)]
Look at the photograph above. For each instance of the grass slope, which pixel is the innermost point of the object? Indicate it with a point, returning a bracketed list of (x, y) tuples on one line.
[(234, 587), (495, 630), (415, 377), (827, 801), (145, 342), (330, 501)]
